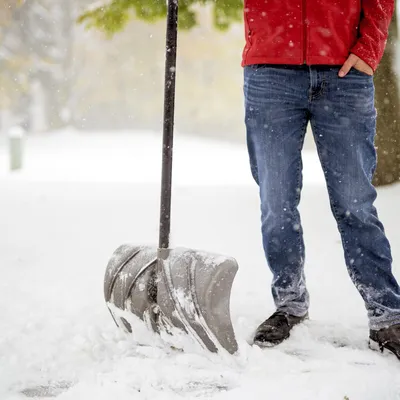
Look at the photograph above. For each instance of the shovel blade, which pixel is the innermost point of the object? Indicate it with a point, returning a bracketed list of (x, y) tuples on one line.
[(191, 290)]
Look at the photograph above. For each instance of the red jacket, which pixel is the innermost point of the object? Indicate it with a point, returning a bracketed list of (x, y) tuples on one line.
[(315, 31)]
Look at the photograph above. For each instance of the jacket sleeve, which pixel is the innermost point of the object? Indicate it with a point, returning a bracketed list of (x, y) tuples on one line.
[(373, 30)]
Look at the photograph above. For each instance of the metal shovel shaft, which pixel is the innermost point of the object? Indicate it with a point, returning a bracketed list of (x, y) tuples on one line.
[(168, 129)]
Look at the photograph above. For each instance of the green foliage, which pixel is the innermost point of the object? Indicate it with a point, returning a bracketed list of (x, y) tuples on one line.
[(114, 16)]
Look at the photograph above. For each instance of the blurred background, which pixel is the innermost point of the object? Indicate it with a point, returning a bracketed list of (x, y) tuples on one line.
[(56, 74)]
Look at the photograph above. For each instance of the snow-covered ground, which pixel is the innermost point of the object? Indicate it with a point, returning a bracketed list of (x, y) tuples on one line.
[(81, 196)]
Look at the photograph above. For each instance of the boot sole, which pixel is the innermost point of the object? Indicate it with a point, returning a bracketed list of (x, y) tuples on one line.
[(269, 344), (375, 346)]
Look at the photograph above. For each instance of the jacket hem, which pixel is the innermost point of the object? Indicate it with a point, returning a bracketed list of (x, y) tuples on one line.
[(311, 60)]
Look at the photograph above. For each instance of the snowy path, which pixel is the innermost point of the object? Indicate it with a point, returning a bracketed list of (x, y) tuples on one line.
[(64, 216)]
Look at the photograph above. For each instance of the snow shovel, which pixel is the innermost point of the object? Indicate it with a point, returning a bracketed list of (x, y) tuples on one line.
[(172, 288)]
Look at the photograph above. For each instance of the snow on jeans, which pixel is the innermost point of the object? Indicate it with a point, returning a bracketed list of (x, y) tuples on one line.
[(279, 102)]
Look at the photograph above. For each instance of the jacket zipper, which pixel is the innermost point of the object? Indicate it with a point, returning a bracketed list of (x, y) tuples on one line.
[(304, 31)]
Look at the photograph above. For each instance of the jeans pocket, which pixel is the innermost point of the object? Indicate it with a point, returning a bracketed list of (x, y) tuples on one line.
[(357, 72)]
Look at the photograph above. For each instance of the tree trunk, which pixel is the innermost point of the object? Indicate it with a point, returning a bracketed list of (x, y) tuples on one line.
[(387, 101)]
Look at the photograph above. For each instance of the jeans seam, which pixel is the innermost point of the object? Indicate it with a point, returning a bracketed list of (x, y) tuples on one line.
[(249, 76), (298, 194)]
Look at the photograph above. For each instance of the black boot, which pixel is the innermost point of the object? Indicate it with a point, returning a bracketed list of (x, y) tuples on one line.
[(276, 329), (386, 338)]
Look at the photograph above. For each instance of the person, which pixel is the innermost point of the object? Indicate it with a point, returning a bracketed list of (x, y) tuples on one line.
[(313, 61)]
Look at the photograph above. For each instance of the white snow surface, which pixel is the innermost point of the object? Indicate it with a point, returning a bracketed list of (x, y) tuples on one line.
[(80, 196)]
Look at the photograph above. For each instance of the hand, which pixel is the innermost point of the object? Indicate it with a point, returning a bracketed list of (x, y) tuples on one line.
[(357, 63)]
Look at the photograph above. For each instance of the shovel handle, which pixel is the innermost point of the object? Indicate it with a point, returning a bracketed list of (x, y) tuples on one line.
[(168, 128)]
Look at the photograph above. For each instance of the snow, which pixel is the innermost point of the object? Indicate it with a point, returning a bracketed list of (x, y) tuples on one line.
[(80, 196)]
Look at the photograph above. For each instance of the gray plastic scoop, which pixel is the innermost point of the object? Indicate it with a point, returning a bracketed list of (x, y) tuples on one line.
[(192, 292)]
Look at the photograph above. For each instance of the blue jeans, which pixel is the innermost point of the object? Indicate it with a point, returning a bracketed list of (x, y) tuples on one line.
[(279, 102)]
